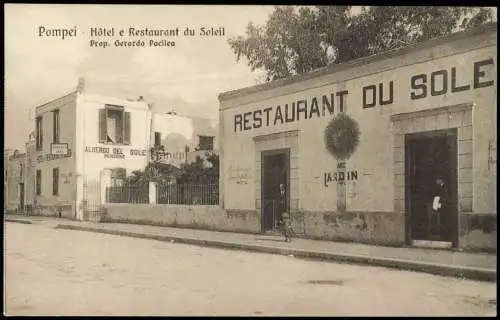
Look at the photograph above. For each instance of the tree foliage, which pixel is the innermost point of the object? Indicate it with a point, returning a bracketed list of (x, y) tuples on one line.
[(164, 174), (300, 39), (199, 172), (155, 171)]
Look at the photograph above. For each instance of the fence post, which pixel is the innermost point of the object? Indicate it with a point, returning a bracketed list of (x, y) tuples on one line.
[(105, 183), (152, 192)]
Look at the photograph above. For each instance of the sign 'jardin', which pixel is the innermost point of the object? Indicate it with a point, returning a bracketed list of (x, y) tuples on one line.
[(341, 140)]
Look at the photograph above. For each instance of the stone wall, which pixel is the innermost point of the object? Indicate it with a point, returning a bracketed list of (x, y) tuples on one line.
[(381, 228), (478, 232), (196, 217), (63, 211)]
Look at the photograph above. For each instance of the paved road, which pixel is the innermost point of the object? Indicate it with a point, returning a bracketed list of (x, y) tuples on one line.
[(61, 272)]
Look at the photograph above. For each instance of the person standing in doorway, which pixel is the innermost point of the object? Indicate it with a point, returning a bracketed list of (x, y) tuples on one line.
[(439, 202), (281, 207)]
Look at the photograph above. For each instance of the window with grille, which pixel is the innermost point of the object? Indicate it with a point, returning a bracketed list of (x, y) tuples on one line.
[(38, 182)]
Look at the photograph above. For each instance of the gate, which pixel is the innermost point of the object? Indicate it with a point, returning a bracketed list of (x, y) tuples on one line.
[(271, 218), (91, 207)]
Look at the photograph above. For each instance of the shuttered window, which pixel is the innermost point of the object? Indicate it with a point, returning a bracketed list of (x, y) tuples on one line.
[(39, 133), (126, 128), (102, 126), (38, 182), (114, 125), (56, 126), (55, 181)]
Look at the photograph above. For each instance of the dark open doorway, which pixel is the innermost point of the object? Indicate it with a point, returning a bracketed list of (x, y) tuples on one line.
[(275, 171), (431, 156)]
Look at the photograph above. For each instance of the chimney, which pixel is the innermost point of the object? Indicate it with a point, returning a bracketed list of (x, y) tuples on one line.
[(81, 85)]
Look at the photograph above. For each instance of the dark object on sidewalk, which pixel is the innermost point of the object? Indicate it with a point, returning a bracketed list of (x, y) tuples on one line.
[(332, 282), (286, 226), (28, 210), (18, 221)]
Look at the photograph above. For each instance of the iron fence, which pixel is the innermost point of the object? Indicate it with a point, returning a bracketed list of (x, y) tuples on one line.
[(188, 193), (127, 194)]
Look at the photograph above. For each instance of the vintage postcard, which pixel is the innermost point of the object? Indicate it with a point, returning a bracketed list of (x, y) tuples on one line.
[(347, 153)]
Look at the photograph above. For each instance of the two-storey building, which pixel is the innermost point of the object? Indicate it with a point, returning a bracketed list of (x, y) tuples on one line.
[(84, 141)]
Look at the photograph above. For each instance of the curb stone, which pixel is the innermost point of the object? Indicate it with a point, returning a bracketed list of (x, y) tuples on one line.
[(471, 273), (18, 221)]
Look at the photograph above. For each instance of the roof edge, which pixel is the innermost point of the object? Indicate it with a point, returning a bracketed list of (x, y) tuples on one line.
[(55, 99), (483, 29)]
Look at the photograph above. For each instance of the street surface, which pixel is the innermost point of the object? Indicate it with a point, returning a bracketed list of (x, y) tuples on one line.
[(62, 272)]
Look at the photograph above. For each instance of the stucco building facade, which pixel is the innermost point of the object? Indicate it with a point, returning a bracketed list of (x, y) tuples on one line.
[(30, 174), (426, 110), (14, 171), (106, 138)]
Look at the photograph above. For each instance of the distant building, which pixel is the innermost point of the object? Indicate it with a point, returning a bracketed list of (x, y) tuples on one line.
[(14, 181), (206, 139), (6, 153), (183, 138), (30, 172)]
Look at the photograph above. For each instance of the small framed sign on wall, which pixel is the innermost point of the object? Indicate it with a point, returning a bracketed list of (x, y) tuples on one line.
[(59, 148)]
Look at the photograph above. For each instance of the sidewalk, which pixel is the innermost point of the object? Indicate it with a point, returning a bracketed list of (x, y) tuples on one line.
[(475, 266)]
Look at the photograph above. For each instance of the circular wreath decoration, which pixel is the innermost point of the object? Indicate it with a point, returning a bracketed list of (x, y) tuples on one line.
[(342, 136)]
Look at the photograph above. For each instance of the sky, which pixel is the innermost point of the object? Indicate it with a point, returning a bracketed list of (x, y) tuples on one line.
[(186, 78)]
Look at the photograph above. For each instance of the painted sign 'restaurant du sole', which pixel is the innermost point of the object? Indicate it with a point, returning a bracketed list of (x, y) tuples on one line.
[(422, 85)]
